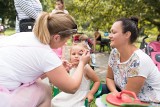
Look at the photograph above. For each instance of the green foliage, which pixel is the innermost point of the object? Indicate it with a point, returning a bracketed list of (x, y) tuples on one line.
[(48, 5), (102, 13), (9, 32), (91, 14), (7, 11)]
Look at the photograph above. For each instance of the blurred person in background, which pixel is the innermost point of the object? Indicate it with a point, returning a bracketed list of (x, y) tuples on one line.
[(26, 9)]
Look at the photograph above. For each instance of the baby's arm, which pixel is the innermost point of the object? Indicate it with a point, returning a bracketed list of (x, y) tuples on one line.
[(91, 75)]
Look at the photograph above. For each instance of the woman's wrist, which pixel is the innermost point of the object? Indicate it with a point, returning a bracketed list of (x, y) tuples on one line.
[(114, 91), (81, 63)]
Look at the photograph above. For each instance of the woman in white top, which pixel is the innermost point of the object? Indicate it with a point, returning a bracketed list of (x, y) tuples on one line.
[(26, 9), (60, 6), (129, 68), (27, 56)]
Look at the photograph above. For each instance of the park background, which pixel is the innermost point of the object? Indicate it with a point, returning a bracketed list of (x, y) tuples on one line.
[(91, 14)]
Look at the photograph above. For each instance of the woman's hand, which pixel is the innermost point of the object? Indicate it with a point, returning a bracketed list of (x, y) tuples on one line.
[(85, 57), (116, 93)]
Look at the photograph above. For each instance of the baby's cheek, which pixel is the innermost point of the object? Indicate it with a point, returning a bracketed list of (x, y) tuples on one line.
[(80, 56)]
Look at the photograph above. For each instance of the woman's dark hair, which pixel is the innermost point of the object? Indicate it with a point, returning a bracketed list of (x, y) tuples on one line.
[(131, 25)]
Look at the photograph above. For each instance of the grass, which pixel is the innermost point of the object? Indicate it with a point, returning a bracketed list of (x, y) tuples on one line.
[(93, 104), (9, 31)]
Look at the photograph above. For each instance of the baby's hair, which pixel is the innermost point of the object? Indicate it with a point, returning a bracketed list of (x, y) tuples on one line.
[(83, 44), (83, 37)]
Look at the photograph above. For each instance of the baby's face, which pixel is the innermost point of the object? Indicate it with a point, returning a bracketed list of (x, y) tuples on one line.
[(76, 53)]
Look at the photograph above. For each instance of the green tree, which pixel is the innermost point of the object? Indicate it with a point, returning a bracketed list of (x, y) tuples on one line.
[(102, 13), (7, 11), (90, 14), (152, 12), (48, 5)]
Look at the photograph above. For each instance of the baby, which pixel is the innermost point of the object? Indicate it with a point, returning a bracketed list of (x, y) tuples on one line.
[(77, 99)]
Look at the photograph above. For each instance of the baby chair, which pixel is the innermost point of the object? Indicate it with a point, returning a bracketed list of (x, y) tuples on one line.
[(56, 91), (153, 50)]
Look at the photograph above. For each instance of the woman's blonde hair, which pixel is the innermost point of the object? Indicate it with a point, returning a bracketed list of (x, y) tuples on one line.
[(48, 25)]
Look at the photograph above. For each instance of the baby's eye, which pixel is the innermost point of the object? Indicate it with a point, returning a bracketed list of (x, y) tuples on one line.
[(80, 54), (73, 53)]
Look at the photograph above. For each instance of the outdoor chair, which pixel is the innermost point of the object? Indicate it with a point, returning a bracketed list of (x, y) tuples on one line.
[(56, 91)]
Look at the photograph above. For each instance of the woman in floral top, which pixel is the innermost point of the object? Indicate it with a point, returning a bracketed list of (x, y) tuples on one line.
[(130, 68)]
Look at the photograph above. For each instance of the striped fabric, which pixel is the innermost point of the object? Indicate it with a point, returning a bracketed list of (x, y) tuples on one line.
[(27, 9)]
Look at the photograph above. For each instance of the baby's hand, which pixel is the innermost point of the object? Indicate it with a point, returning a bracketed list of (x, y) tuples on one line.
[(67, 65), (90, 97)]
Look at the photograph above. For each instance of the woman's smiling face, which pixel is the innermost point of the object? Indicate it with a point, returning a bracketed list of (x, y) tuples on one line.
[(117, 36)]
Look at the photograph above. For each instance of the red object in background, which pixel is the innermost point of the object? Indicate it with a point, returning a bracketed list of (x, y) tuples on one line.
[(76, 38)]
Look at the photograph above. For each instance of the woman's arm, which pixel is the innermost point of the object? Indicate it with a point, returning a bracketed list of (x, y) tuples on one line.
[(98, 35), (60, 78), (135, 83), (91, 75), (110, 80)]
